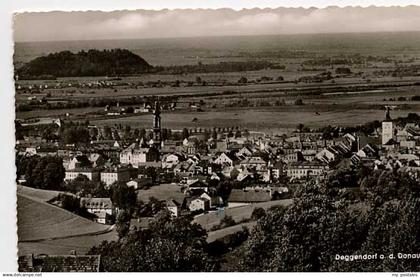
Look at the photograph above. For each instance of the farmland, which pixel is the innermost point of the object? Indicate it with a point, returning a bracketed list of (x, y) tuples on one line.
[(274, 120), (307, 69)]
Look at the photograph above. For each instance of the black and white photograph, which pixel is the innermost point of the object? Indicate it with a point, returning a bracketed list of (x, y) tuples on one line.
[(264, 139)]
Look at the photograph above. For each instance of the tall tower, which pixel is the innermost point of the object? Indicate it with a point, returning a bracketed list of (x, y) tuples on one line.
[(157, 137), (388, 127)]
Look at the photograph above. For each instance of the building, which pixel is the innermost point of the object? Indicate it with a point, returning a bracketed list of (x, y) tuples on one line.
[(173, 207), (140, 182), (114, 174), (198, 204), (305, 169), (102, 208), (157, 136), (59, 263), (138, 155), (388, 128), (91, 173)]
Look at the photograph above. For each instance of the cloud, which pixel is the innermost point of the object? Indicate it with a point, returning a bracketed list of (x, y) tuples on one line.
[(202, 22)]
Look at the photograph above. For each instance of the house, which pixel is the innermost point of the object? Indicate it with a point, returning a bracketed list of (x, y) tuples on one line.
[(243, 174), (171, 160), (59, 263), (215, 200), (186, 167), (91, 173), (305, 169), (140, 182), (196, 184), (189, 147), (327, 155), (137, 155), (254, 162), (199, 203), (244, 152), (115, 174), (224, 160), (102, 208), (173, 207), (96, 159), (79, 161)]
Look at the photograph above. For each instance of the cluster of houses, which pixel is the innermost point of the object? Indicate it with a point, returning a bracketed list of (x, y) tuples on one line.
[(258, 167)]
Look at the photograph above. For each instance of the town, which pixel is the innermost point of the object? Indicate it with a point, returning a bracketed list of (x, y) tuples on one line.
[(201, 171), (232, 152)]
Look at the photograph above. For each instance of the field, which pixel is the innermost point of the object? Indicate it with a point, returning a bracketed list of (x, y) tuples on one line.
[(218, 234), (47, 229), (325, 102), (238, 214), (269, 120), (37, 194), (41, 221), (81, 244), (161, 192)]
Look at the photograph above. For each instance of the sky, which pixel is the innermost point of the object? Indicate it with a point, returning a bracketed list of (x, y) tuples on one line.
[(50, 26)]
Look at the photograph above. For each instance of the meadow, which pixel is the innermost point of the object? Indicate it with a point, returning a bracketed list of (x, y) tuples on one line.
[(39, 220)]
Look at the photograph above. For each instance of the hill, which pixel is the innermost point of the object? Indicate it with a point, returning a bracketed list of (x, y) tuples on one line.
[(38, 194), (113, 62), (38, 220)]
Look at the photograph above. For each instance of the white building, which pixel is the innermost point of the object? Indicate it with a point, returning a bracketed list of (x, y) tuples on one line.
[(136, 155), (199, 204), (90, 173), (112, 175), (388, 131), (101, 207)]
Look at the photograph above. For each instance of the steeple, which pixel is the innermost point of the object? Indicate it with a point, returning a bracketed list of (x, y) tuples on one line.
[(388, 115), (157, 125)]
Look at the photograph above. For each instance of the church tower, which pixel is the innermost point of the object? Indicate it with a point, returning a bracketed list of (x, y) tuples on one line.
[(157, 137), (388, 128)]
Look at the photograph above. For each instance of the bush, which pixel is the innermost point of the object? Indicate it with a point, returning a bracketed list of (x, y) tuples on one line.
[(299, 102), (258, 213)]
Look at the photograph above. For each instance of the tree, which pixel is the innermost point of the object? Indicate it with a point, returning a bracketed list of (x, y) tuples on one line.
[(185, 133), (41, 172), (300, 127), (169, 244), (243, 80), (299, 102), (123, 223), (73, 135), (258, 213), (318, 225), (152, 173), (123, 196), (107, 132)]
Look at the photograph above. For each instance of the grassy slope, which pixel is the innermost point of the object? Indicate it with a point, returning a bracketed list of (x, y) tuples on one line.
[(38, 220), (237, 213), (37, 194)]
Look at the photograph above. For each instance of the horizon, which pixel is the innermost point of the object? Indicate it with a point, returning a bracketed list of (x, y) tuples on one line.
[(222, 36), (186, 23)]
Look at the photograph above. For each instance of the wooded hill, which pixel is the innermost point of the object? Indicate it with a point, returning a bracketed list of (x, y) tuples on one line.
[(113, 62)]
